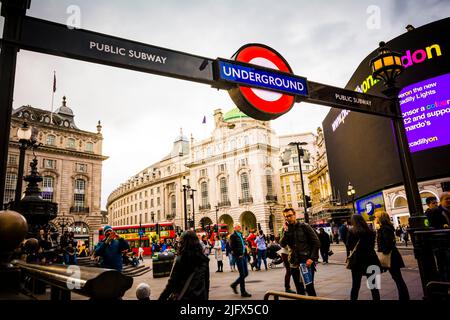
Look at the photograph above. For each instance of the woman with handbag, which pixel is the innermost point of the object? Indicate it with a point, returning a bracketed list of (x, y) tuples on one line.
[(389, 255), (189, 279), (361, 245)]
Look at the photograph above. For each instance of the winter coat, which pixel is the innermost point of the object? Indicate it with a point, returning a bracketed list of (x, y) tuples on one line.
[(324, 242), (364, 254), (303, 243), (198, 288), (237, 244), (386, 244), (439, 216), (112, 253)]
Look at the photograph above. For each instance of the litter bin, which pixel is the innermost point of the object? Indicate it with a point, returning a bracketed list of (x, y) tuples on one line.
[(162, 264)]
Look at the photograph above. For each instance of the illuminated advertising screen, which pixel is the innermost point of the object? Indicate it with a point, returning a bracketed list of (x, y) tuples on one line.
[(362, 149), (425, 108), (367, 206)]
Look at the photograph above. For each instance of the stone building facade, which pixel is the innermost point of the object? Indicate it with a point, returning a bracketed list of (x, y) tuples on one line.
[(70, 162)]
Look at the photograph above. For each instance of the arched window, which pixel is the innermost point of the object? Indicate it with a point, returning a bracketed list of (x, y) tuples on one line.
[(269, 182), (48, 184), (51, 140), (245, 187), (79, 194), (173, 205), (204, 190), (223, 190), (400, 202), (424, 195)]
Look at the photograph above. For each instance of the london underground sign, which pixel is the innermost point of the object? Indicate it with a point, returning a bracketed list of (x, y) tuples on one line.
[(266, 87)]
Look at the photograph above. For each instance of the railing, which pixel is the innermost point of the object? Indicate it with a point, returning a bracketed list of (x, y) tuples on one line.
[(224, 204), (79, 209), (271, 198), (205, 207), (96, 283), (245, 200), (277, 294)]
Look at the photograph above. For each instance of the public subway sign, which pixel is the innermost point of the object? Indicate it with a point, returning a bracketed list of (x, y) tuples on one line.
[(264, 86)]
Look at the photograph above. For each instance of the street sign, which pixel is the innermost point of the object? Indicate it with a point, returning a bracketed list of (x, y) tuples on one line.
[(351, 100), (280, 85)]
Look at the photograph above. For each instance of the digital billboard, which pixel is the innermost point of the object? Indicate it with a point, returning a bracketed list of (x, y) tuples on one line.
[(362, 148), (367, 206)]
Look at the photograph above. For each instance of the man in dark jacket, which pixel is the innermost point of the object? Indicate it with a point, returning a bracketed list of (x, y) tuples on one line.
[(238, 250), (343, 233), (304, 248), (440, 216)]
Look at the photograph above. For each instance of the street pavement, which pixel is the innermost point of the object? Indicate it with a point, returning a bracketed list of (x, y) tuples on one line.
[(332, 280)]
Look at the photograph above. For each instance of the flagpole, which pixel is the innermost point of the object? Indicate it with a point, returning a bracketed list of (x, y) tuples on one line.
[(53, 96)]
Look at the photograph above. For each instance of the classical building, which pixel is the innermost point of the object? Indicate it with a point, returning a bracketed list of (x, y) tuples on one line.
[(325, 208), (231, 177), (70, 162), (291, 184)]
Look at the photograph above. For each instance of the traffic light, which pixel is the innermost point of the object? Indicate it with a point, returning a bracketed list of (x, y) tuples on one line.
[(216, 228), (308, 201)]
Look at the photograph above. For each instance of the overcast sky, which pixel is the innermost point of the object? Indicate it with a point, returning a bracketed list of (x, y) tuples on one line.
[(142, 113)]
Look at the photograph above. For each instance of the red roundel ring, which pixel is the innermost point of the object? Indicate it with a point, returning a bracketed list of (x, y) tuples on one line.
[(258, 103)]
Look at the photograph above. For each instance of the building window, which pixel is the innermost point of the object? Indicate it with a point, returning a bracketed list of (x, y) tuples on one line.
[(269, 182), (243, 162), (89, 147), (246, 141), (173, 205), (47, 188), (12, 159), (79, 193), (71, 143), (81, 167), (158, 201), (10, 187), (151, 203), (203, 172), (49, 164), (158, 190), (159, 215), (222, 167), (245, 187), (223, 190), (146, 204), (204, 190), (50, 140)]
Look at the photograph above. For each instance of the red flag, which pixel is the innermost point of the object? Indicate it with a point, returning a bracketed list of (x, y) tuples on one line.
[(54, 82)]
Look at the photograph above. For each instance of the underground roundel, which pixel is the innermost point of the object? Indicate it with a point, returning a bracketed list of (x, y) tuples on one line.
[(259, 103)]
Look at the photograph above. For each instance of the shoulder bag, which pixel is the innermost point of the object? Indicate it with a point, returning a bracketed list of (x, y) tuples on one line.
[(350, 261), (178, 296)]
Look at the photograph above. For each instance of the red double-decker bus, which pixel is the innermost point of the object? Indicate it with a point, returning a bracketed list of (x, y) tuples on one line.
[(210, 231), (150, 232)]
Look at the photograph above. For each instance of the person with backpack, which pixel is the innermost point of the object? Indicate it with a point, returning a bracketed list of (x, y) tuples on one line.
[(304, 245)]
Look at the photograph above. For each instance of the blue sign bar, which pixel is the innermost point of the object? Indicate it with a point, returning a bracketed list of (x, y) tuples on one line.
[(262, 78)]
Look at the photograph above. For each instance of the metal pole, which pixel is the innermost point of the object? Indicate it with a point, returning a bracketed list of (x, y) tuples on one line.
[(193, 208), (217, 219), (353, 203), (18, 194), (185, 208), (303, 187), (13, 11)]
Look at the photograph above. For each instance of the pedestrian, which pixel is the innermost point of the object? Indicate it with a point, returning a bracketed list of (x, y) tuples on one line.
[(143, 292), (229, 254), (205, 245), (111, 249), (189, 279), (252, 244), (239, 251), (440, 215), (386, 245), (343, 233), (141, 253), (324, 245), (361, 243), (398, 233), (261, 248), (218, 254), (70, 254), (304, 245), (431, 203), (405, 235)]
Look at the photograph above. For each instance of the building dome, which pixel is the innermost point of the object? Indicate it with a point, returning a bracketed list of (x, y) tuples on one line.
[(234, 114), (64, 109)]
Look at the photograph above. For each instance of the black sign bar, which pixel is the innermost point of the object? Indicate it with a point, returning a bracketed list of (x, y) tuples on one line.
[(351, 100), (57, 39)]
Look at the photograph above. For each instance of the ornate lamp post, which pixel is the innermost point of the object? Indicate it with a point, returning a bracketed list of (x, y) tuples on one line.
[(351, 193), (300, 153), (217, 218), (24, 133), (387, 66)]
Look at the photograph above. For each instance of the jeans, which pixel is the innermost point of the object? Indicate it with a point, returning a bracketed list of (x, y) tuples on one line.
[(356, 285), (299, 283), (232, 260), (396, 274), (241, 264), (262, 256)]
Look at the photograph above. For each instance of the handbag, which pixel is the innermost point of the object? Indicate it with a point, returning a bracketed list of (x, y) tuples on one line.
[(385, 259), (350, 261), (178, 296), (330, 253)]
